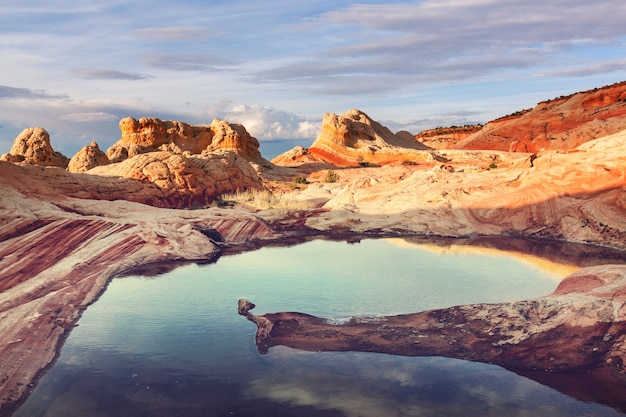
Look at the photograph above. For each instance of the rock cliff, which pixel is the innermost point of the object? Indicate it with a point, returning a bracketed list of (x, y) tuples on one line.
[(562, 123), (446, 137), (32, 146), (351, 139)]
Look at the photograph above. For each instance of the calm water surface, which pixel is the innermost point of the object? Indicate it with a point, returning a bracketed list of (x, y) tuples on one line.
[(174, 345)]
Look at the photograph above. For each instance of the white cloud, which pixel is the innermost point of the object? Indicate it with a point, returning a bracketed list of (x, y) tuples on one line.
[(267, 123), (98, 116)]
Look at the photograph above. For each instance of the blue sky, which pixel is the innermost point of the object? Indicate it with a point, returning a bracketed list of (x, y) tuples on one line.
[(77, 67)]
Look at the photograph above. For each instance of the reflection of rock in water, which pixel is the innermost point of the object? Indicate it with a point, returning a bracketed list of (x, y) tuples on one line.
[(579, 329)]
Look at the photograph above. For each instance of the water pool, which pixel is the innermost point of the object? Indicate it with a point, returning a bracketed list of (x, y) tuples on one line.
[(174, 345)]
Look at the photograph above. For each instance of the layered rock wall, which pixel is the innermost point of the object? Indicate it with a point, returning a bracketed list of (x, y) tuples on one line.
[(562, 123)]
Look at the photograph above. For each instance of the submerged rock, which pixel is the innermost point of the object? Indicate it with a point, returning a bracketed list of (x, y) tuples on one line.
[(579, 329)]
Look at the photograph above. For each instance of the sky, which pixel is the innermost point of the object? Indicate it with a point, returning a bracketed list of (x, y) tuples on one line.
[(77, 67)]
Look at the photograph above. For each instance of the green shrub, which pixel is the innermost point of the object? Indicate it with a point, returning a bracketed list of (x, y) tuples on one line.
[(300, 180), (493, 165), (331, 176)]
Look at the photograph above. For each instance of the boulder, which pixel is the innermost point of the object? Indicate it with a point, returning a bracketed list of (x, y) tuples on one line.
[(89, 157), (32, 146)]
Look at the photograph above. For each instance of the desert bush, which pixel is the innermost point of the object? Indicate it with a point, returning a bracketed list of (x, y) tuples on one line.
[(300, 180), (262, 199), (331, 176)]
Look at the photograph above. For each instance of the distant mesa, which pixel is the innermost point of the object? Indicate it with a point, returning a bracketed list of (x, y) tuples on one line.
[(562, 123), (32, 146), (353, 139)]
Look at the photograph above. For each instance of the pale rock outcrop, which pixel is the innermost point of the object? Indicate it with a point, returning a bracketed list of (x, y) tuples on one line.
[(32, 146), (150, 134), (187, 181), (89, 157), (578, 196), (354, 138)]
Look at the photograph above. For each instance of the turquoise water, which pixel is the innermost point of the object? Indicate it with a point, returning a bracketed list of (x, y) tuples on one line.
[(174, 345)]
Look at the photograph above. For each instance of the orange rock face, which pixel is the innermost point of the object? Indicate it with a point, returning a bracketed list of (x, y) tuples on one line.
[(32, 146), (352, 139), (562, 123), (152, 134), (446, 137)]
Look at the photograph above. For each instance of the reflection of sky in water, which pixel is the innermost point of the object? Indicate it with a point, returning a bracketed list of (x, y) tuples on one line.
[(174, 345)]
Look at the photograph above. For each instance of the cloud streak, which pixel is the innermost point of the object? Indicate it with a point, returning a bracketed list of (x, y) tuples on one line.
[(107, 74), (7, 92), (188, 62), (174, 34)]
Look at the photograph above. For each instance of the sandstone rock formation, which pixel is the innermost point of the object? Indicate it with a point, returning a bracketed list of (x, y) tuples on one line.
[(32, 146), (580, 328), (89, 157), (351, 139), (152, 134), (578, 196), (187, 181), (562, 123)]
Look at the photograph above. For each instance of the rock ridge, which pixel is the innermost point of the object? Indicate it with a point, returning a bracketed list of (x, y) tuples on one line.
[(561, 123)]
